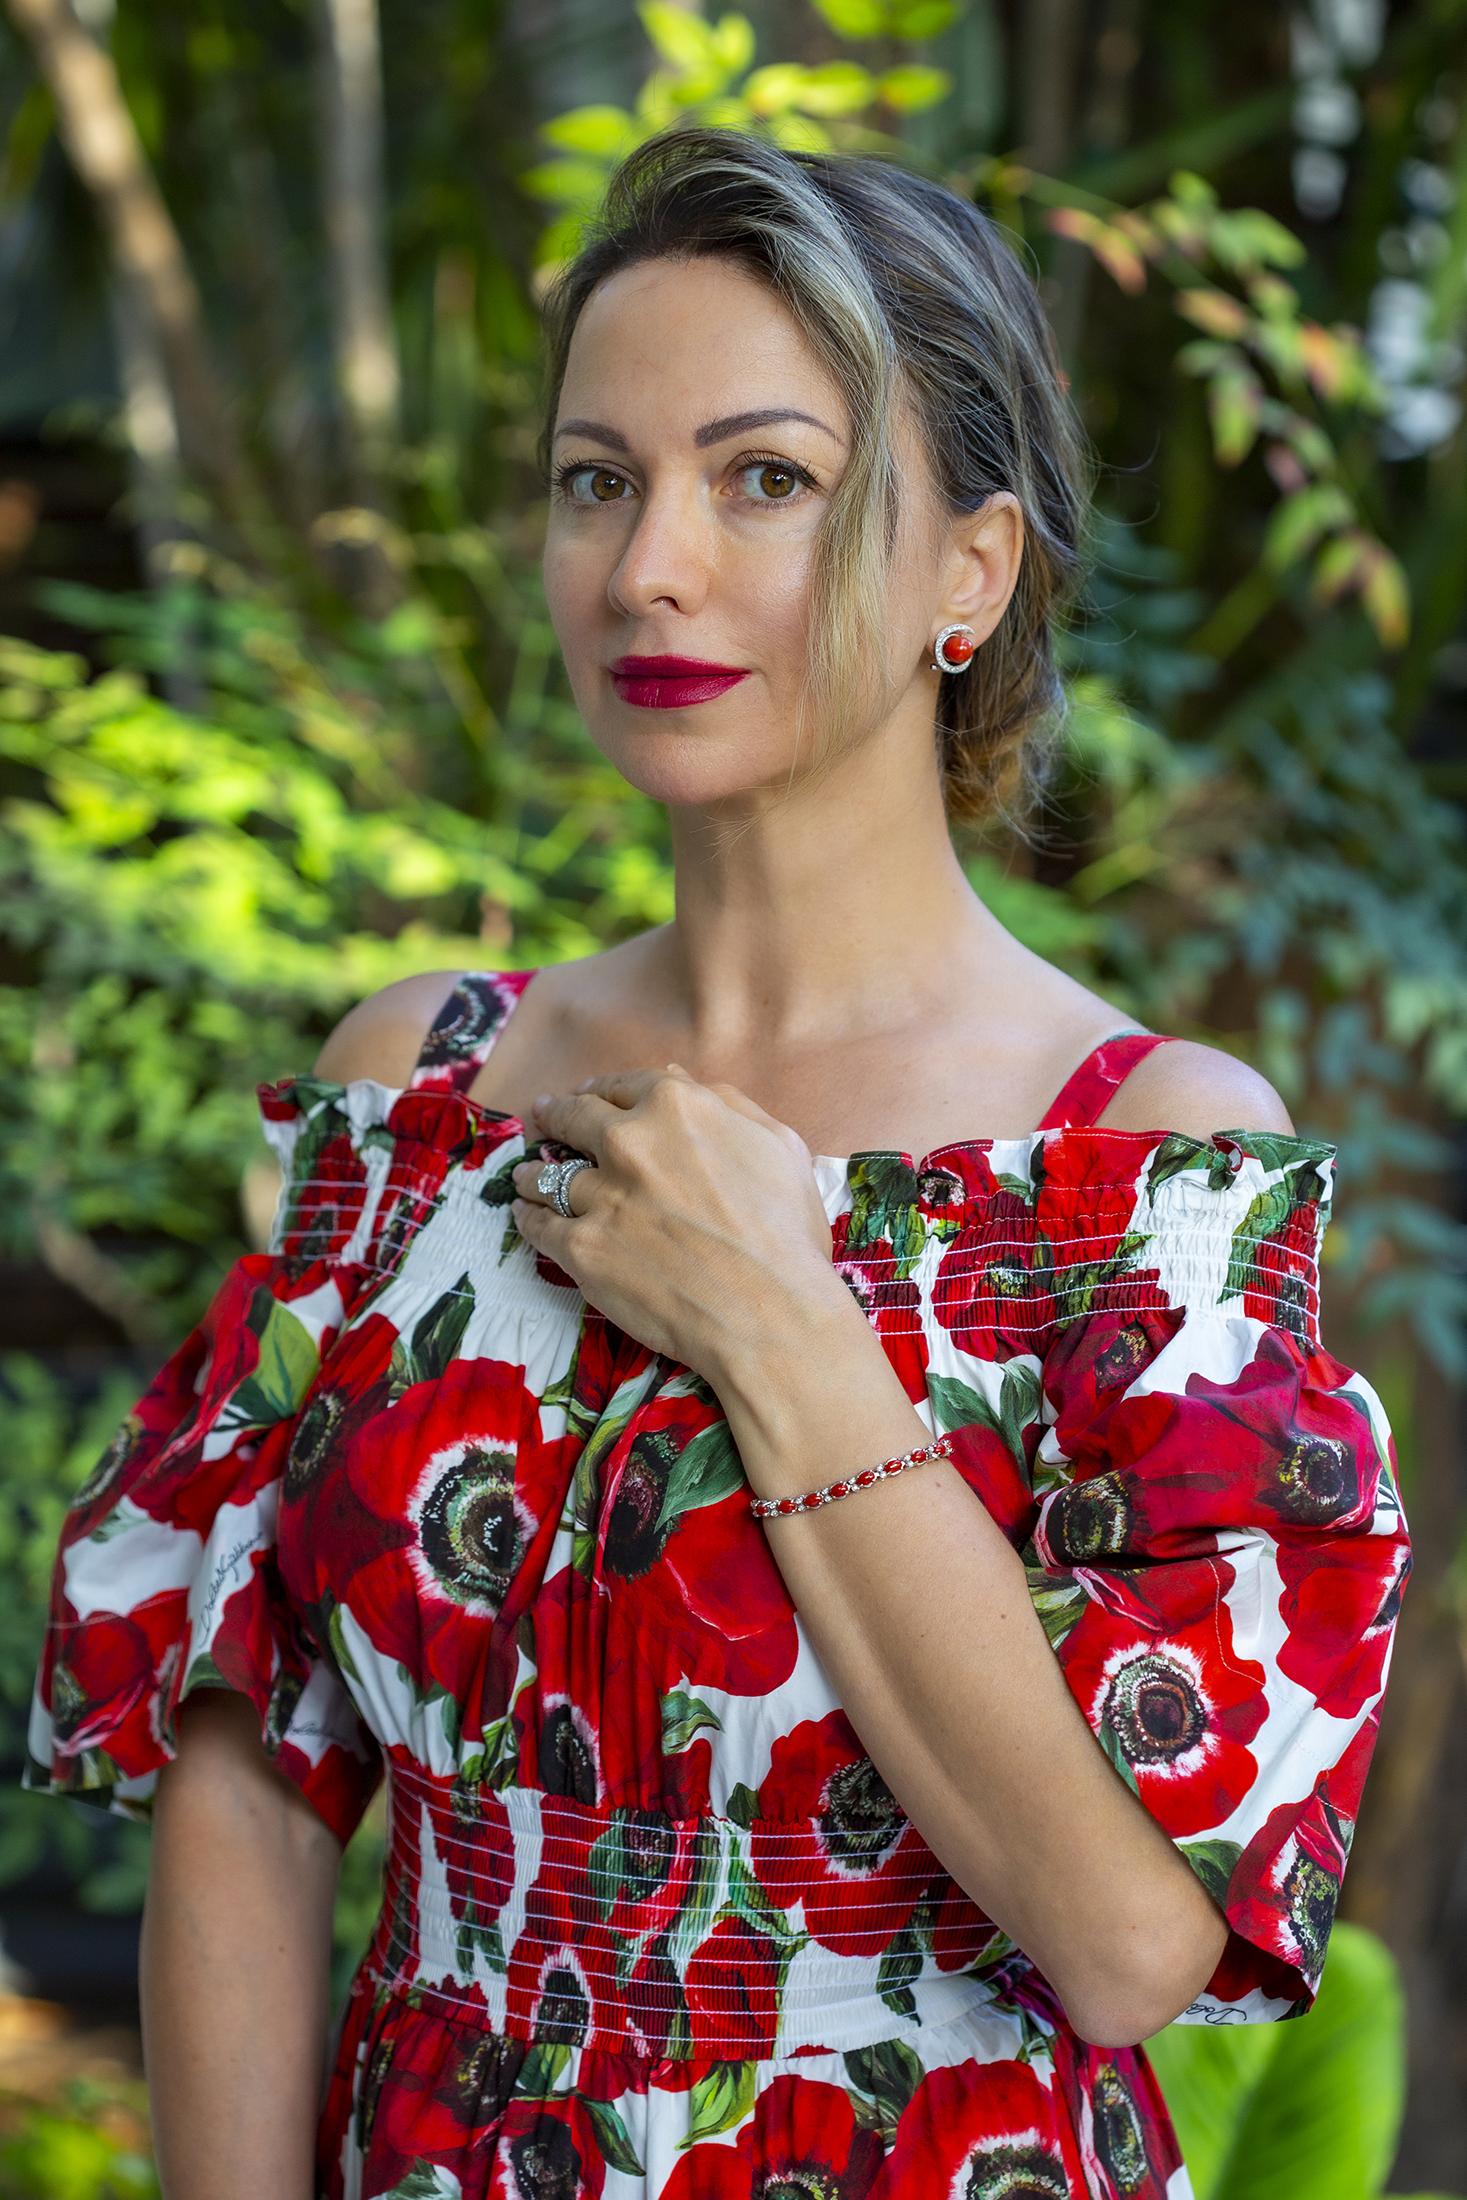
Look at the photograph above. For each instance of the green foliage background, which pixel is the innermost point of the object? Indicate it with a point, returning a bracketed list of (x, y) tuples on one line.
[(331, 742)]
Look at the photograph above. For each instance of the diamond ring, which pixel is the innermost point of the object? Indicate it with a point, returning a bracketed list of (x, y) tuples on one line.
[(553, 1182)]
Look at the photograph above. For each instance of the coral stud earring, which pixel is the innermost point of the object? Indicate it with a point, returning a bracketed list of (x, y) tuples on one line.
[(952, 649)]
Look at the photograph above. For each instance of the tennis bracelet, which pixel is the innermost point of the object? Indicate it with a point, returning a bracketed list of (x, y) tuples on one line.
[(767, 1508)]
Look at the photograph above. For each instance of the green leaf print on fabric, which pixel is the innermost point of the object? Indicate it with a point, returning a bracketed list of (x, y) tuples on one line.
[(286, 1368), (324, 1119), (499, 1190), (434, 1341), (1058, 1601), (499, 1760), (684, 1717), (743, 1804), (115, 1524), (747, 1900), (627, 1864), (708, 1469), (720, 2102), (882, 2080), (1110, 1742), (1089, 1283), (1176, 1154), (600, 1428), (693, 1919), (613, 2139), (426, 2181), (1214, 1863), (886, 1209), (476, 1938), (901, 1961), (956, 1404), (439, 1698), (541, 2072), (203, 1672), (905, 1959), (337, 1644)]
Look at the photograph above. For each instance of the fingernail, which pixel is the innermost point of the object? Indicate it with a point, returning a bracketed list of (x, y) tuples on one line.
[(542, 1100)]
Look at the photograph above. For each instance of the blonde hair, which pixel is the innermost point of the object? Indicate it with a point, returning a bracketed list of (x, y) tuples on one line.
[(916, 303)]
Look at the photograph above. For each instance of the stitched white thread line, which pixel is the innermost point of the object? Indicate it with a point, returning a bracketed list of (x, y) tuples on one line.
[(1037, 1283), (821, 1983), (539, 1806), (1177, 1242), (898, 1892), (1158, 1228), (1298, 1147)]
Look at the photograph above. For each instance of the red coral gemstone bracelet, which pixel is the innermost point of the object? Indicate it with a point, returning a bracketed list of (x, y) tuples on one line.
[(769, 1508)]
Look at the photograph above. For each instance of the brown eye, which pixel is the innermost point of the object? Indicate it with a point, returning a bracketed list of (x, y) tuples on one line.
[(566, 478), (797, 481)]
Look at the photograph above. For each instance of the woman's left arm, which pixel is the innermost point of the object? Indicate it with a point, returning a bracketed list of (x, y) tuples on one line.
[(1141, 1754), (919, 1609), (700, 1232)]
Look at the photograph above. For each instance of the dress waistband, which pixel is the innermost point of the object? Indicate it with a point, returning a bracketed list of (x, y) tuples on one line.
[(628, 1930)]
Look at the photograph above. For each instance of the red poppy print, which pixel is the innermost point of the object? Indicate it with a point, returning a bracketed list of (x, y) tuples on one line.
[(652, 1922), (1340, 1608), (1181, 1707), (833, 1842), (1007, 2135), (803, 2136), (677, 1552), (458, 1480), (732, 1988), (562, 1979)]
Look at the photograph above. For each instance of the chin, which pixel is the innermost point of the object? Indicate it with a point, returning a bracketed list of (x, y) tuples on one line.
[(687, 772)]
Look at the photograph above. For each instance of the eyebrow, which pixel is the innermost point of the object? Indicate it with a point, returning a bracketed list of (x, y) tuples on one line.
[(712, 431)]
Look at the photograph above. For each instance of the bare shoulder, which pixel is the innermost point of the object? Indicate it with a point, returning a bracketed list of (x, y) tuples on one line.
[(382, 1035), (1187, 1086)]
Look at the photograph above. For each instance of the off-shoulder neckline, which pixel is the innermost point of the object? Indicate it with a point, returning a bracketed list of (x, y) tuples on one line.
[(1284, 1146)]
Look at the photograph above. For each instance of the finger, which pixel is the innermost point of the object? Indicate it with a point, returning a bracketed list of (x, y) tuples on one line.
[(573, 1119), (525, 1176), (577, 1117), (549, 1233)]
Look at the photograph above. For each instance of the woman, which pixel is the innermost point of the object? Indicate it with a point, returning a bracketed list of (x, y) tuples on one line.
[(855, 1844)]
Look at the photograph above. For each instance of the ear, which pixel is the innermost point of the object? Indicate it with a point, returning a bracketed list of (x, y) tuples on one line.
[(986, 549)]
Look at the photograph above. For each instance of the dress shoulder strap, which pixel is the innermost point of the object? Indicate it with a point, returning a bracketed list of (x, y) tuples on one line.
[(1095, 1081), (461, 1035)]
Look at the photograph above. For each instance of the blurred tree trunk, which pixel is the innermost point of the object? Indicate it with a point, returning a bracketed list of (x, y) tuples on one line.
[(155, 465), (354, 198), (101, 139), (1052, 57)]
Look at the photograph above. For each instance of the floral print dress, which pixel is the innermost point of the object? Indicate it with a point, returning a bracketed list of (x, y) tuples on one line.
[(652, 1924)]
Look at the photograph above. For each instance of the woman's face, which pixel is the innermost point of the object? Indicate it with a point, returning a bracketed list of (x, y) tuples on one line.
[(688, 529)]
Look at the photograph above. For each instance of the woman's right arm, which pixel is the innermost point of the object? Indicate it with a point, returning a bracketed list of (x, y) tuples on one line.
[(235, 1964)]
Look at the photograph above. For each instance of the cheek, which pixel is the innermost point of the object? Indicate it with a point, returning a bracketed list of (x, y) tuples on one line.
[(565, 575), (765, 588)]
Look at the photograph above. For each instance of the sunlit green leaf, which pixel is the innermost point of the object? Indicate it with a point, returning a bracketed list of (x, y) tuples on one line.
[(911, 87), (679, 36), (597, 129)]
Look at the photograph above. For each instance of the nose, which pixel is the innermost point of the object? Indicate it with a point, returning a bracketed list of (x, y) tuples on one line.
[(667, 554)]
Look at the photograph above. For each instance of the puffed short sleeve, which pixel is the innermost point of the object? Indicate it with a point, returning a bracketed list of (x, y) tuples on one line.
[(166, 1579), (1216, 1544)]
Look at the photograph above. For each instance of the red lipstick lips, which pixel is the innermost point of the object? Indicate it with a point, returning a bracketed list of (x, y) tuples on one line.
[(670, 683)]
